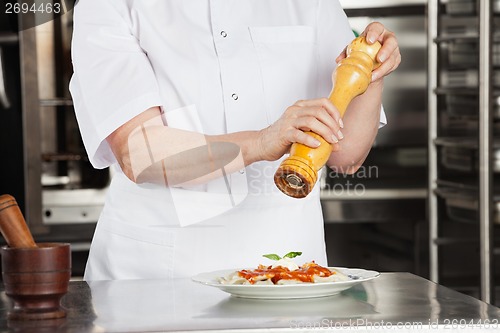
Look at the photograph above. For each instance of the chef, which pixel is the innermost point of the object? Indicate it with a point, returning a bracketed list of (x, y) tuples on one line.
[(194, 103)]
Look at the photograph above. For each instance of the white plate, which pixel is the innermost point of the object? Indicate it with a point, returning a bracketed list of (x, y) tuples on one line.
[(301, 290)]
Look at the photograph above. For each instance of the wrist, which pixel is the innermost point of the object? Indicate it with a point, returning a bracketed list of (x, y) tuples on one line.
[(253, 148)]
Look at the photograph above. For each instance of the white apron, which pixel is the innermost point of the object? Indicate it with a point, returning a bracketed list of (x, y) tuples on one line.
[(141, 241)]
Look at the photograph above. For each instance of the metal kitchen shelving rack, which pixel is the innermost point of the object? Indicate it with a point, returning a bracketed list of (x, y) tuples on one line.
[(458, 30), (62, 191)]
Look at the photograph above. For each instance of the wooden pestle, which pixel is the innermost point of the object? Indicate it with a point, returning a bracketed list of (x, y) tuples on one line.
[(298, 173), (12, 224)]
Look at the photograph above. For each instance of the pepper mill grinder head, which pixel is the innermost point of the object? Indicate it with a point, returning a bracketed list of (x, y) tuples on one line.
[(298, 173)]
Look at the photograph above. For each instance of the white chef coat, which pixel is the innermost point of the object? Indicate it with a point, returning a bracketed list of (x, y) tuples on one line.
[(213, 66)]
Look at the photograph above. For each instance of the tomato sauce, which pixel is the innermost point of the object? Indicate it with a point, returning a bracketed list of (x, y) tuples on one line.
[(305, 273)]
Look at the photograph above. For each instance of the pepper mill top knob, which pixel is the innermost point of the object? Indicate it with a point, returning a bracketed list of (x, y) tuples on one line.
[(360, 44)]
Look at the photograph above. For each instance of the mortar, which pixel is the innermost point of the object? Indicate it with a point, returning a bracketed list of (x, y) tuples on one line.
[(36, 276), (36, 279)]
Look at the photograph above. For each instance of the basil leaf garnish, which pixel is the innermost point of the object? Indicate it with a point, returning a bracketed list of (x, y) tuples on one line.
[(272, 256), (292, 254)]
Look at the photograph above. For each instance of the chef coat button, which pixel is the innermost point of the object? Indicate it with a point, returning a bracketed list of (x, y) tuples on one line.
[(242, 171), (235, 97), (223, 34)]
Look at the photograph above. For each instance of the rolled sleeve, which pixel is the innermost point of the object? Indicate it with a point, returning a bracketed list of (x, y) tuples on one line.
[(113, 80), (383, 118)]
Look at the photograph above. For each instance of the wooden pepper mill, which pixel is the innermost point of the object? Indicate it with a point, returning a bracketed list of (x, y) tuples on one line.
[(298, 173)]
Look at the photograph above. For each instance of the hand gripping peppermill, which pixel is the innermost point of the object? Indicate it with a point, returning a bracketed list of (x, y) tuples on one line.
[(298, 173)]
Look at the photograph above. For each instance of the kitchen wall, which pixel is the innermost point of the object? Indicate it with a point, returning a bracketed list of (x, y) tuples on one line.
[(383, 225)]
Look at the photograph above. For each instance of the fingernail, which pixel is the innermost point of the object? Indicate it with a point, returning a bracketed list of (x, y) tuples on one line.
[(341, 123), (334, 139), (374, 77), (382, 57), (340, 135), (317, 143), (371, 39)]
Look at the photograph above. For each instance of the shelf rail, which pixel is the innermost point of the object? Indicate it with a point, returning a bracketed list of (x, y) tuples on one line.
[(432, 83), (485, 182), (485, 151)]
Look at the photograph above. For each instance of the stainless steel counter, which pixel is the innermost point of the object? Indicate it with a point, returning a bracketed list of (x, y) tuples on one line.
[(394, 301)]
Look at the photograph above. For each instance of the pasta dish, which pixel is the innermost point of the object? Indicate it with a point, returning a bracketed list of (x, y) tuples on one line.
[(279, 275)]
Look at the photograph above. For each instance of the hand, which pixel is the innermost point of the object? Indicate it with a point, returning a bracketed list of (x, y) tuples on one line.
[(389, 54), (317, 115)]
